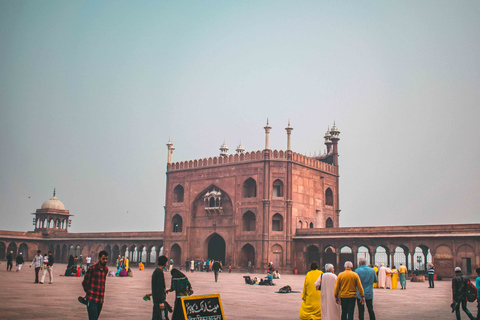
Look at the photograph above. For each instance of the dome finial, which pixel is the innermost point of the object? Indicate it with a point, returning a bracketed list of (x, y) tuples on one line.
[(54, 192)]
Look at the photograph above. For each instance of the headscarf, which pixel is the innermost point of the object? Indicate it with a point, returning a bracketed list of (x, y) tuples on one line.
[(177, 273)]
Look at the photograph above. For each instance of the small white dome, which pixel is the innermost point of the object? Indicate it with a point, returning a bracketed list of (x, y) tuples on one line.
[(53, 203)]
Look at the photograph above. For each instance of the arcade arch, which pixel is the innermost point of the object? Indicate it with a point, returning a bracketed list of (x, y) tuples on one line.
[(363, 252)]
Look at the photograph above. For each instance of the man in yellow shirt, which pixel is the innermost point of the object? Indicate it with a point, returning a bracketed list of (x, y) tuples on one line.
[(403, 273), (348, 282)]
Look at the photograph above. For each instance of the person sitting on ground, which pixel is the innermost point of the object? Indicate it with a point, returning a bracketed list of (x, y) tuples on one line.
[(275, 276), (141, 266), (70, 271), (123, 272), (269, 279), (130, 272)]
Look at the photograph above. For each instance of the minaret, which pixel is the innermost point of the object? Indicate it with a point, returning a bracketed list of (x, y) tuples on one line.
[(170, 150), (223, 149), (240, 149), (289, 132), (334, 138), (267, 133), (328, 142)]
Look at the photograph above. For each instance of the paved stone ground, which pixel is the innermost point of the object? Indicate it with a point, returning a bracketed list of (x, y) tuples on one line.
[(20, 298)]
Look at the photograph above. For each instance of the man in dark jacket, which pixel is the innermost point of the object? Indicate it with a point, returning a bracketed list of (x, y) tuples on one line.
[(216, 268), (159, 291), (9, 261), (459, 286)]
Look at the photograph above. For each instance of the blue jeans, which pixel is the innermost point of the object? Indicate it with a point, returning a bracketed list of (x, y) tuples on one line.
[(93, 310), (430, 281), (348, 308)]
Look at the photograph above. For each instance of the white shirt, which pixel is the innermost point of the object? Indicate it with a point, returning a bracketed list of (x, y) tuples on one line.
[(38, 261), (89, 259)]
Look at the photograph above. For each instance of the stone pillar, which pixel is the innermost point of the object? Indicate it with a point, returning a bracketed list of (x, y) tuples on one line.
[(170, 151), (266, 204), (290, 228), (289, 132), (267, 133), (355, 252)]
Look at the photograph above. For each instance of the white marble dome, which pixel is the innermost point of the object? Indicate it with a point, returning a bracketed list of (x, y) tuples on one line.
[(53, 203)]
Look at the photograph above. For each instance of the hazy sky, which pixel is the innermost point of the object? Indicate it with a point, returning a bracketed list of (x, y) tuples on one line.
[(90, 92)]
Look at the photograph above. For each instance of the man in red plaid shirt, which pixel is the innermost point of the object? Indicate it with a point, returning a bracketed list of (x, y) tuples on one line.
[(94, 285)]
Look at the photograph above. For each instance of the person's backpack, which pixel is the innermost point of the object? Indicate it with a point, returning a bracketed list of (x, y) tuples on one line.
[(471, 291), (286, 289)]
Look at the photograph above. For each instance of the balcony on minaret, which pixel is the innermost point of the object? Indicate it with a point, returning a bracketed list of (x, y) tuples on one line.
[(213, 202)]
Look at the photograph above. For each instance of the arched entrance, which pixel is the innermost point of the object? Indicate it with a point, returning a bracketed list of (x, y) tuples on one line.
[(248, 254), (216, 248), (313, 254), (176, 254)]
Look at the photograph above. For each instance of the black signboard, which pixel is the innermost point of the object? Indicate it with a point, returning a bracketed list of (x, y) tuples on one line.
[(205, 307)]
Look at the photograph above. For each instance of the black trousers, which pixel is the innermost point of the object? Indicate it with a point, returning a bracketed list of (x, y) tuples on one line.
[(348, 308), (430, 281), (464, 308), (361, 309), (9, 265), (36, 274), (159, 314)]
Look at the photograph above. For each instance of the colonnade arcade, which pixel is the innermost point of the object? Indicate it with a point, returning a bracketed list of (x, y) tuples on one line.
[(445, 254), (146, 252), (418, 258)]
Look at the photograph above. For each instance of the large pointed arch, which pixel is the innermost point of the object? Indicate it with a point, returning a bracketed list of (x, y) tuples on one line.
[(226, 200)]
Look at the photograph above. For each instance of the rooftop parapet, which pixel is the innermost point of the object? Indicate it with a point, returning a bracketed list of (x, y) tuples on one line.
[(253, 156)]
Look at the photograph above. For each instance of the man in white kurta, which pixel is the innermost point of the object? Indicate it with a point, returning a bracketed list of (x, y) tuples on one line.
[(382, 276), (388, 282), (330, 309)]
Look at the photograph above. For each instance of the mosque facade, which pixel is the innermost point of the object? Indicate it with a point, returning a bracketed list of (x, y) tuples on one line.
[(262, 206)]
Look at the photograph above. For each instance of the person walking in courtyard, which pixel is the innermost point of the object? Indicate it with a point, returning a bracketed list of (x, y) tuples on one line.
[(249, 266), (38, 262), (48, 268), (159, 292), (88, 260), (459, 287), (311, 304), (94, 285), (330, 310), (431, 275), (382, 276), (216, 268), (367, 278), (403, 273), (348, 282), (9, 261), (394, 278), (19, 261), (182, 288)]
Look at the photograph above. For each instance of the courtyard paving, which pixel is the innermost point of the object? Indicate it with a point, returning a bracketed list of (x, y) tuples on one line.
[(20, 298)]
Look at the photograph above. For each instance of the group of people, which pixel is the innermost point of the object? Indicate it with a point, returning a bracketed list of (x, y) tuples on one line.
[(75, 267), (328, 296), (388, 277), (18, 261)]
